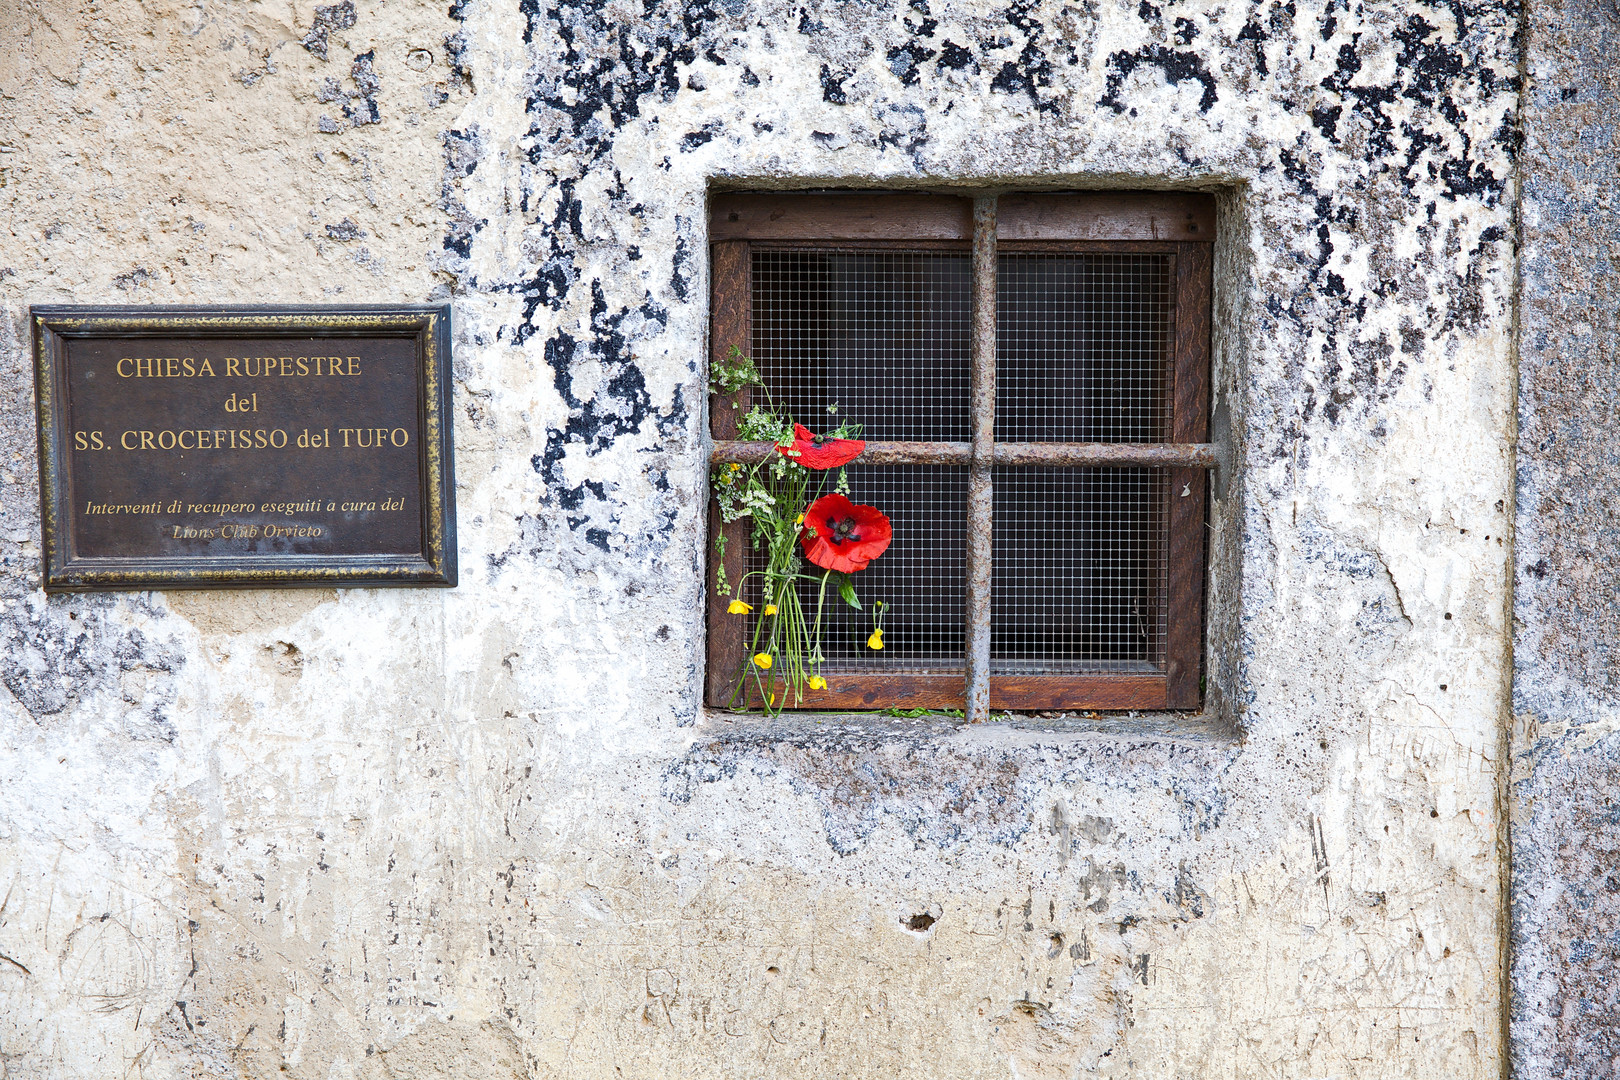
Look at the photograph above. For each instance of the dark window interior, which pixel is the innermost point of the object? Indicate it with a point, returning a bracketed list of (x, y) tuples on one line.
[(1083, 347), (1083, 355), (881, 334)]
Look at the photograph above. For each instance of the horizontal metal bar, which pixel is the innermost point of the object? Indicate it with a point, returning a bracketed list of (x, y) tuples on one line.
[(1153, 455)]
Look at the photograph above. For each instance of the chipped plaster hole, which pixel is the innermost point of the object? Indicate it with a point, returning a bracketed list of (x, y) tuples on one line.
[(289, 661), (920, 922)]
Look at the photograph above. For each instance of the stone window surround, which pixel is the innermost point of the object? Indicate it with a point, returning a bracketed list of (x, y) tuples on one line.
[(1218, 722)]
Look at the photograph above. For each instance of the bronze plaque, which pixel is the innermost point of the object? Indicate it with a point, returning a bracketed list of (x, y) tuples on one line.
[(255, 447)]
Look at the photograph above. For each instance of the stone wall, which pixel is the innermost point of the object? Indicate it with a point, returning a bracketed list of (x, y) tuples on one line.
[(490, 832), (1566, 699)]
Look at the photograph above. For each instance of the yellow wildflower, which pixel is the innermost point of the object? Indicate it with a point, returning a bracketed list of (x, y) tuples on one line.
[(876, 640), (737, 607), (770, 609), (762, 660), (772, 698), (799, 520), (816, 682)]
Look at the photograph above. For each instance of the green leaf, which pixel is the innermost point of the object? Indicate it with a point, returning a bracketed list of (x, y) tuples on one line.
[(846, 589)]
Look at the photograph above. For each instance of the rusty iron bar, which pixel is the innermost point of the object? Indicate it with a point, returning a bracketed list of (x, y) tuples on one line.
[(1104, 455), (1066, 455), (982, 424)]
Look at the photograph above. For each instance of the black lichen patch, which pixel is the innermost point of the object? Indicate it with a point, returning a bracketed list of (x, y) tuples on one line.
[(133, 279), (556, 272), (1325, 118), (1418, 128), (905, 128), (905, 61), (938, 796), (359, 106), (1178, 67), (455, 52), (1032, 71), (327, 19), (1188, 897), (599, 70), (607, 67), (1435, 76), (620, 406), (462, 150), (937, 793), (956, 58), (808, 26), (67, 650), (1255, 33), (681, 270), (345, 231), (461, 155), (832, 86), (694, 139)]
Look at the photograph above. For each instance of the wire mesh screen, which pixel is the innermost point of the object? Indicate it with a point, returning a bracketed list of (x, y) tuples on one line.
[(880, 335), (922, 578), (1084, 355), (1083, 347), (1079, 578)]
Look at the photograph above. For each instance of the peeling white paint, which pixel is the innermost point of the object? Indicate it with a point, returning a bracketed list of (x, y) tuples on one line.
[(490, 832)]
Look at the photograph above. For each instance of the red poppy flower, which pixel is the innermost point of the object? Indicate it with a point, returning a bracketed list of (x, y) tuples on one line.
[(843, 536), (818, 451)]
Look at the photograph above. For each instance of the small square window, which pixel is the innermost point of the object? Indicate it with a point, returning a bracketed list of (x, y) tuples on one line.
[(1031, 374)]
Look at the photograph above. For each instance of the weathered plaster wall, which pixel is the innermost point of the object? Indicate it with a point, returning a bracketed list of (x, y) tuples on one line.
[(489, 832), (1566, 1015)]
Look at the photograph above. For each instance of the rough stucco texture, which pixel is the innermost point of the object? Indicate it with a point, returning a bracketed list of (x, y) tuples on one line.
[(489, 833), (1566, 884)]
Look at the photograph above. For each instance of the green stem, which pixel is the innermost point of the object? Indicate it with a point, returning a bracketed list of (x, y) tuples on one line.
[(821, 599)]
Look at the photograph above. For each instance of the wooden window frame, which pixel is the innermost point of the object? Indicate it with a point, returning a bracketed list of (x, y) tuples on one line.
[(1179, 225)]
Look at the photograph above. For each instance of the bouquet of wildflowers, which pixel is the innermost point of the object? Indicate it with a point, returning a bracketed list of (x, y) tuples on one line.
[(794, 520)]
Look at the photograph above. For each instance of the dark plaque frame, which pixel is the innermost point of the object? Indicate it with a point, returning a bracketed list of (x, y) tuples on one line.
[(65, 570)]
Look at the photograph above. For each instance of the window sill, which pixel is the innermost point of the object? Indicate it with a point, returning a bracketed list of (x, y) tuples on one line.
[(1200, 728)]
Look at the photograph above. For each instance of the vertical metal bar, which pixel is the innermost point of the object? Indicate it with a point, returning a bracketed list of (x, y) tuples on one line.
[(731, 316), (1184, 632), (981, 497)]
